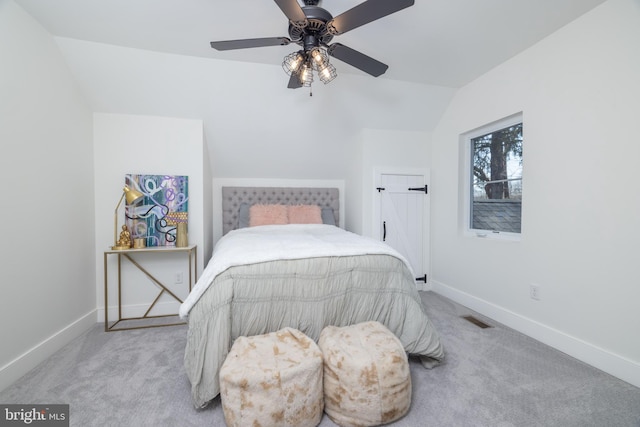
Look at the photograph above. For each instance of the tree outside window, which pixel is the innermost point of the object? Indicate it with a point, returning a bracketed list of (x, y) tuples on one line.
[(497, 180)]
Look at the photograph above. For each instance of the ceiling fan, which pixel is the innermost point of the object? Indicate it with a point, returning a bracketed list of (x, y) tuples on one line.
[(312, 28)]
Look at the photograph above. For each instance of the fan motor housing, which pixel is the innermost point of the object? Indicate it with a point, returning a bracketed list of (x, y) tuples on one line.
[(317, 19)]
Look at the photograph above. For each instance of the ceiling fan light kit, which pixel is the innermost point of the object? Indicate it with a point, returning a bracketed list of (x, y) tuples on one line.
[(301, 64), (313, 28)]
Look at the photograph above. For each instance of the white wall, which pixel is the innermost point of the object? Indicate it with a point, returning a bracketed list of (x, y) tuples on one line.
[(580, 95), (207, 203), (255, 127), (47, 292), (354, 186), (125, 144), (389, 151)]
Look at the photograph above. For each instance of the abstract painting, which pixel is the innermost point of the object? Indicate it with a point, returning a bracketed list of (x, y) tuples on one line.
[(164, 206)]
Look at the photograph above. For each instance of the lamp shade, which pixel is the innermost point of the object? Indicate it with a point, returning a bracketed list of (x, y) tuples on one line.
[(306, 75), (327, 73), (292, 62), (132, 196)]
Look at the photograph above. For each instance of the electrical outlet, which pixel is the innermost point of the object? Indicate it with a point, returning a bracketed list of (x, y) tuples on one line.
[(534, 292), (179, 277)]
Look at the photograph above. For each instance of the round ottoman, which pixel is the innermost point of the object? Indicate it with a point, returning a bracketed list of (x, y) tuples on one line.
[(366, 375), (273, 380)]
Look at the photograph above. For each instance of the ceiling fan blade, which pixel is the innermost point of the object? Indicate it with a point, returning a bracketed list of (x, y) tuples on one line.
[(294, 82), (357, 59), (364, 13), (248, 43), (293, 11)]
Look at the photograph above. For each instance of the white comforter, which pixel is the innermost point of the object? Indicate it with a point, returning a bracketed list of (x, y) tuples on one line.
[(281, 242)]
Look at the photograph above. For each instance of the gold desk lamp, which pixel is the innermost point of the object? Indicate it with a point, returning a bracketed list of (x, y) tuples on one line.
[(132, 196)]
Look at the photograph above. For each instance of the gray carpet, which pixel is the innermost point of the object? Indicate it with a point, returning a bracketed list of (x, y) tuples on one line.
[(492, 377)]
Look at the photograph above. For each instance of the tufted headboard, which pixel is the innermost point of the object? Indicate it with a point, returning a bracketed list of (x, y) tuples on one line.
[(232, 197)]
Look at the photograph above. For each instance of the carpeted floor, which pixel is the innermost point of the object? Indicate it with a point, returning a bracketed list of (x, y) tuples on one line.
[(492, 377)]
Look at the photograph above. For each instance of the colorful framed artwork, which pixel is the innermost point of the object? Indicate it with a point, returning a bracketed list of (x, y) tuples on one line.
[(164, 206)]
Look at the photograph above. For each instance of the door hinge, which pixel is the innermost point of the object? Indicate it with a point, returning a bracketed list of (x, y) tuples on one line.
[(425, 189)]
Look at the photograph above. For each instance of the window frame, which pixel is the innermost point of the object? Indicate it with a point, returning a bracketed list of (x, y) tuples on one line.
[(466, 181)]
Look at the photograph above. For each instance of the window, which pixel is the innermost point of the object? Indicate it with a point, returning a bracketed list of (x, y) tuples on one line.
[(494, 168)]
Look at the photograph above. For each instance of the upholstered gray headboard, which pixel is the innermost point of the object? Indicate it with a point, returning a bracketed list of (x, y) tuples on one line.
[(233, 197)]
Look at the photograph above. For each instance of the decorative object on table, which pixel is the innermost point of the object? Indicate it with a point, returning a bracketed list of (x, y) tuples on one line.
[(179, 219), (164, 207), (182, 240), (139, 243), (124, 242)]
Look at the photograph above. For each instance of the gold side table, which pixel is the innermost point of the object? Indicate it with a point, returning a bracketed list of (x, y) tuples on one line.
[(192, 257)]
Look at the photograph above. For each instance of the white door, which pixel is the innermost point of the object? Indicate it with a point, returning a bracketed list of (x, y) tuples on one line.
[(403, 219)]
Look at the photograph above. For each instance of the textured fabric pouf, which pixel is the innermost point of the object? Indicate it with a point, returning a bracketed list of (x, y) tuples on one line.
[(273, 380), (366, 375)]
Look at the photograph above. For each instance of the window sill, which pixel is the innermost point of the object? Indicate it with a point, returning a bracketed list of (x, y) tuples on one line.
[(493, 235)]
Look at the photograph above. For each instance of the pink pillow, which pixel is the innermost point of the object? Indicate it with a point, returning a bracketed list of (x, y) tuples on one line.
[(304, 214), (267, 215)]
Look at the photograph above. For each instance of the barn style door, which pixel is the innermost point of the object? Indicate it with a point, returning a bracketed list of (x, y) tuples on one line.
[(403, 218)]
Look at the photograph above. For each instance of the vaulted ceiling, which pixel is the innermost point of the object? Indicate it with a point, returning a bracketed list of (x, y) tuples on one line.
[(153, 57), (439, 42)]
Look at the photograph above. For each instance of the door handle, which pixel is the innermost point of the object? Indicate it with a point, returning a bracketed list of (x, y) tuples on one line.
[(384, 230)]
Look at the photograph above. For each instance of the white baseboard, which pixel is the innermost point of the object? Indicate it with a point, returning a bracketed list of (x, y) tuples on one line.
[(613, 364), (18, 367)]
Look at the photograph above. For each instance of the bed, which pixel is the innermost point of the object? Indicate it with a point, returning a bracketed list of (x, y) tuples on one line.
[(303, 272)]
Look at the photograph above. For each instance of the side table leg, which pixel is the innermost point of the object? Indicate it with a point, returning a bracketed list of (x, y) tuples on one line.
[(106, 298)]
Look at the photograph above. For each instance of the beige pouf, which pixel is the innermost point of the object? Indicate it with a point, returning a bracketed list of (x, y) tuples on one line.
[(273, 380), (366, 375)]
